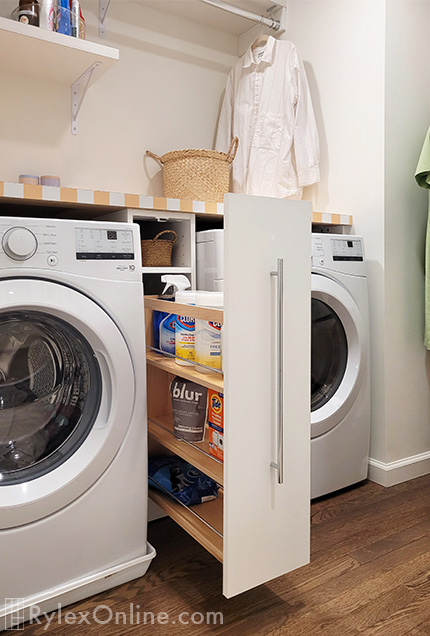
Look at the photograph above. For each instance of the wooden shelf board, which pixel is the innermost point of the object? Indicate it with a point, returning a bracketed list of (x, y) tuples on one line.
[(211, 511), (198, 458), (213, 381), (203, 313)]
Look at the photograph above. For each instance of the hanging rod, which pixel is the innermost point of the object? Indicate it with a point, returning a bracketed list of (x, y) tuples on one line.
[(269, 22)]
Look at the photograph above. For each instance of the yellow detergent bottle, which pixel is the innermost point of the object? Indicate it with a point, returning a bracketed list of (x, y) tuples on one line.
[(208, 347), (185, 330)]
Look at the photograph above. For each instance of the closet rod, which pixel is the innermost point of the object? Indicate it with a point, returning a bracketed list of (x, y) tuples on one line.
[(269, 22)]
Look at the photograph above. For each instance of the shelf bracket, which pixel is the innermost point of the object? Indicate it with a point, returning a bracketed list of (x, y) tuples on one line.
[(103, 9), (79, 89)]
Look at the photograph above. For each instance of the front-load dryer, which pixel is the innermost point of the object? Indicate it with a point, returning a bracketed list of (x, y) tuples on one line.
[(340, 394), (73, 449)]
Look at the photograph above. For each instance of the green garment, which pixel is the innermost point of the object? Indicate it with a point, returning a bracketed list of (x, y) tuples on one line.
[(422, 175)]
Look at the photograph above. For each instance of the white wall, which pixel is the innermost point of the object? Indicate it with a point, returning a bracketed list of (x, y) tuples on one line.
[(342, 45), (407, 387), (366, 63), (162, 95)]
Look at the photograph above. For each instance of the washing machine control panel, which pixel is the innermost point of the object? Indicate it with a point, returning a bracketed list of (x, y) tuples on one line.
[(19, 243), (104, 244), (96, 249)]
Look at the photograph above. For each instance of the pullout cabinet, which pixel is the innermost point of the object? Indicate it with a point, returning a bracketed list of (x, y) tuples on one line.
[(259, 526)]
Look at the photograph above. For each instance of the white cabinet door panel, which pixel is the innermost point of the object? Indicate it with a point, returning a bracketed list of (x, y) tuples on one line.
[(266, 524)]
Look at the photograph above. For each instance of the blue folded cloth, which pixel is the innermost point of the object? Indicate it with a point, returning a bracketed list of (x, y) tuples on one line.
[(182, 480)]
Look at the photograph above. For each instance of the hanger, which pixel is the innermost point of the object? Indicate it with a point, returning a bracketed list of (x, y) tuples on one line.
[(260, 40)]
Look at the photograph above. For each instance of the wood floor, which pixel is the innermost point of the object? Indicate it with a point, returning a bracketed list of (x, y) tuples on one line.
[(369, 574)]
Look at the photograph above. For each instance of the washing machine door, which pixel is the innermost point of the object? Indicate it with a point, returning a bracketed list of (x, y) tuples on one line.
[(67, 391), (339, 350)]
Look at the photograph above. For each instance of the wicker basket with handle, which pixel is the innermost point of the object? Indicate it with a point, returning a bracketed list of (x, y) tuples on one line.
[(157, 252), (201, 175)]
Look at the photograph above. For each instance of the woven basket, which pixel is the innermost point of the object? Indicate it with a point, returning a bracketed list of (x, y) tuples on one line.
[(201, 175), (157, 252)]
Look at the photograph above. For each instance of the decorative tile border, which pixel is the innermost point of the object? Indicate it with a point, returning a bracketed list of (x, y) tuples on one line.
[(77, 196)]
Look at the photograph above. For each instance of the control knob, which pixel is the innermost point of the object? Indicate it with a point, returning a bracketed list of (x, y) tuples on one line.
[(19, 243)]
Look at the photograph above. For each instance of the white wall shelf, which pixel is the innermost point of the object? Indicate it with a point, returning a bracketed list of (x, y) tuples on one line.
[(29, 50)]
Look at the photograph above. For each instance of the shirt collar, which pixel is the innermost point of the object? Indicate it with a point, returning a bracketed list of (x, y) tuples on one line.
[(269, 51)]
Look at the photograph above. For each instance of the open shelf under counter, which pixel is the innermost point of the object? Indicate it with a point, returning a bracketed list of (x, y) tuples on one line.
[(204, 522), (160, 429), (209, 380)]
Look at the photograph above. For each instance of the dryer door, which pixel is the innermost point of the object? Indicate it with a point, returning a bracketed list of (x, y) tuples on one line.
[(339, 346), (66, 397)]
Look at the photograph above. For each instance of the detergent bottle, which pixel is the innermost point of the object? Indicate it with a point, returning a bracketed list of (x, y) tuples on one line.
[(163, 322)]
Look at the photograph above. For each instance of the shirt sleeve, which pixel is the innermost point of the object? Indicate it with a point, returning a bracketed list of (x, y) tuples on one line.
[(422, 173), (306, 142), (225, 123)]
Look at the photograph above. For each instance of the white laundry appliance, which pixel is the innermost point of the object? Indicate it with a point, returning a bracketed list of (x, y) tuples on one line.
[(340, 393), (210, 260), (73, 449)]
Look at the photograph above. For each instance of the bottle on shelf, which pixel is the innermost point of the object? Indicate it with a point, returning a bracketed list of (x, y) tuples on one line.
[(208, 347), (28, 12), (63, 17), (75, 12), (46, 14), (185, 330)]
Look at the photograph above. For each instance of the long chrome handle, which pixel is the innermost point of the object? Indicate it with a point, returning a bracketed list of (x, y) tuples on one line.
[(279, 464)]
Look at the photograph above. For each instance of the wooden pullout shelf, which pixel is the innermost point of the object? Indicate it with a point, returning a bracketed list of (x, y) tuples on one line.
[(160, 428), (209, 512), (210, 380)]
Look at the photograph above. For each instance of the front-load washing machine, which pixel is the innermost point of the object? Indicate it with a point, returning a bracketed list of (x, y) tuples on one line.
[(73, 454), (340, 393)]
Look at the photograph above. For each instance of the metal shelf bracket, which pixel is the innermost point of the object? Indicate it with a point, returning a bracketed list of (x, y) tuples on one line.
[(79, 89), (103, 8)]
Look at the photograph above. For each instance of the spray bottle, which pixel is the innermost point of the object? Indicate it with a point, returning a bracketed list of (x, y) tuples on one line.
[(164, 323)]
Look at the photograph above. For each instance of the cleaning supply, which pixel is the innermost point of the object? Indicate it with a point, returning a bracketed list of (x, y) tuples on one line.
[(189, 405), (163, 323), (216, 424), (208, 334), (46, 14), (185, 330), (63, 17), (75, 11)]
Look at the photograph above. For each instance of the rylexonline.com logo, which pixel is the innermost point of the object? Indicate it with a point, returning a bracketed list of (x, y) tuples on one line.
[(101, 615)]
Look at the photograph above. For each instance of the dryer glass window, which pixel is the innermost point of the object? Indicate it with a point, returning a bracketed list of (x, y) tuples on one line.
[(329, 353), (50, 393)]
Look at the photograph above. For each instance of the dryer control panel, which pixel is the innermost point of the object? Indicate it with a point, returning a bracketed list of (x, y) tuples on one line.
[(339, 253), (346, 249)]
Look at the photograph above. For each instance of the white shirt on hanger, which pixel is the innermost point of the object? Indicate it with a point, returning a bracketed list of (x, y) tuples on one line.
[(267, 105)]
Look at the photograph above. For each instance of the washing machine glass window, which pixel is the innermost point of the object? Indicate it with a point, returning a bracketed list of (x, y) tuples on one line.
[(50, 393), (329, 353)]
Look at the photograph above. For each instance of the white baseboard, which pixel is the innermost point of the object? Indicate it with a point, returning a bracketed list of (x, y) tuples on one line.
[(401, 470)]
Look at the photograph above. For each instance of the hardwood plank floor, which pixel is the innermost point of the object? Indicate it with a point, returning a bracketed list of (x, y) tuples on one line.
[(369, 575)]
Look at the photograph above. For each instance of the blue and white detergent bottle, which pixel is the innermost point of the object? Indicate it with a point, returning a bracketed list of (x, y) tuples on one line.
[(164, 323)]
